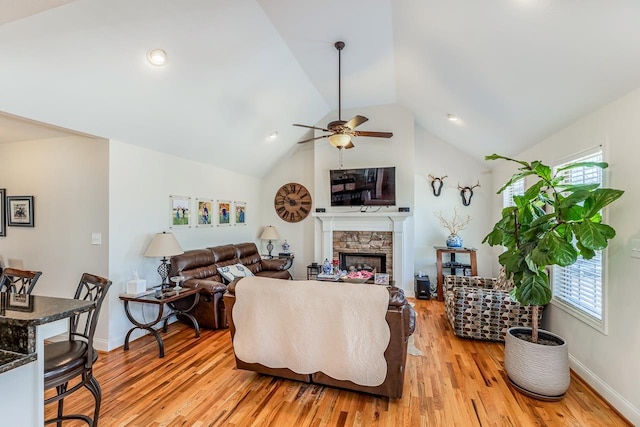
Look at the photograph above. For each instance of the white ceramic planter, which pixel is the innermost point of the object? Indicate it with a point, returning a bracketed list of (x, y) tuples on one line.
[(541, 371)]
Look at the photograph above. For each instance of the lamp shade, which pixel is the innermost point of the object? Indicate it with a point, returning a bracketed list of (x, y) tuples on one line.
[(339, 140), (269, 233), (163, 245)]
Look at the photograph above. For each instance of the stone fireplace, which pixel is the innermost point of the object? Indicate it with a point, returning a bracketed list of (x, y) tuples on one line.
[(362, 249), (367, 233)]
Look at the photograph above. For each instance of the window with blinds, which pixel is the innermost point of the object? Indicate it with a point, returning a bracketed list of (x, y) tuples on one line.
[(579, 286), (515, 189)]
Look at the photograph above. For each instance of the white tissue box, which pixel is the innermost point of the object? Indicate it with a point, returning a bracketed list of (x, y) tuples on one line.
[(136, 286)]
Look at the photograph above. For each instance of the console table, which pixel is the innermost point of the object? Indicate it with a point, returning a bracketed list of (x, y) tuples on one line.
[(169, 298), (452, 264)]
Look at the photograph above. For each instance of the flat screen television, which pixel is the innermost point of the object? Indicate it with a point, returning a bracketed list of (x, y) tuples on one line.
[(363, 187)]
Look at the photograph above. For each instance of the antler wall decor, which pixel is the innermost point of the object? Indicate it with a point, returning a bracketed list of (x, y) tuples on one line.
[(435, 181), (467, 193)]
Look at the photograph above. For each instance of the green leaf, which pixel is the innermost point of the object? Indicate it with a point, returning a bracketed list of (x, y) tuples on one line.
[(533, 289), (560, 251), (577, 187), (590, 235), (602, 165), (577, 196), (601, 198), (533, 191), (585, 253), (543, 171), (544, 219)]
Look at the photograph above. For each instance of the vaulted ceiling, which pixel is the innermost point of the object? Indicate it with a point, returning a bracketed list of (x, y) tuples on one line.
[(514, 71)]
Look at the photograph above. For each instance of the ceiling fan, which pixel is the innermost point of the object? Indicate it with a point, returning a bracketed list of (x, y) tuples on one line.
[(341, 132)]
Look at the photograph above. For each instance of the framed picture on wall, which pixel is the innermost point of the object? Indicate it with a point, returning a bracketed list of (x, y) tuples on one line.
[(180, 211), (3, 213), (224, 212), (205, 214), (20, 211), (241, 212)]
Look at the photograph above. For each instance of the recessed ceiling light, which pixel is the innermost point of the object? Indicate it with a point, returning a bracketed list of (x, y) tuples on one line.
[(272, 136), (157, 57), (453, 118)]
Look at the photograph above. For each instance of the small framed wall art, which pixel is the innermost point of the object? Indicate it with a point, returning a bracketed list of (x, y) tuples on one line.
[(3, 213), (180, 211), (241, 212), (381, 279), (204, 213), (224, 212), (20, 211)]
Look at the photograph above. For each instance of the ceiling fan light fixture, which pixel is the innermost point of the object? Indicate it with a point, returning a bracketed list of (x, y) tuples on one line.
[(157, 57), (339, 140)]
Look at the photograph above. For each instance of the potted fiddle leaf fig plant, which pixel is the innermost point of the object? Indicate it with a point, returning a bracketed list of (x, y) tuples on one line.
[(553, 223)]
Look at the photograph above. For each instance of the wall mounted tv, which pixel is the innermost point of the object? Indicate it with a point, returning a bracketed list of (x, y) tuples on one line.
[(363, 187)]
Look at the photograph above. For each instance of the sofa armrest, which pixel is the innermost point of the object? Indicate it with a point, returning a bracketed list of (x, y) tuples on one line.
[(275, 264), (210, 286)]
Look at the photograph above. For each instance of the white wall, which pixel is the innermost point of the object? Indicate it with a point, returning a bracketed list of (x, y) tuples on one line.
[(296, 166), (140, 182), (438, 158), (609, 362), (68, 177)]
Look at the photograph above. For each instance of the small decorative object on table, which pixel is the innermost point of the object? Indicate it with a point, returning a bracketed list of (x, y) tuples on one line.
[(327, 268), (177, 280), (357, 276), (454, 226), (285, 247)]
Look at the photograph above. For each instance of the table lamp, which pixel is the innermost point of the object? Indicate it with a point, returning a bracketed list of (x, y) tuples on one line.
[(269, 234), (163, 245)]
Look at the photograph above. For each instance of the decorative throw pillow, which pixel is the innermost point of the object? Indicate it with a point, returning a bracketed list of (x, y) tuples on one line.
[(502, 283), (231, 272)]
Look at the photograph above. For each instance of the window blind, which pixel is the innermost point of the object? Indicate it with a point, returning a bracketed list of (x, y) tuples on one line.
[(515, 189), (580, 285)]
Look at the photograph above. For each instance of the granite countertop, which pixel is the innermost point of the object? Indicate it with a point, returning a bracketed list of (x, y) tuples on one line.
[(19, 317), (39, 310), (10, 360)]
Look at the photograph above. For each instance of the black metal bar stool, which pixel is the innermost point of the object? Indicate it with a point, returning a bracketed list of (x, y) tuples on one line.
[(74, 358)]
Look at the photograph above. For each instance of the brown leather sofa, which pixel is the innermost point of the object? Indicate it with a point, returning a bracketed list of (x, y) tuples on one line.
[(199, 267), (401, 320)]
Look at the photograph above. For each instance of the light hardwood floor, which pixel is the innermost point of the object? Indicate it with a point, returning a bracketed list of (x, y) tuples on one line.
[(456, 382)]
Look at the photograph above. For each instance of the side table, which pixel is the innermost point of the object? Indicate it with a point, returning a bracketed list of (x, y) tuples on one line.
[(169, 298), (313, 270), (453, 264)]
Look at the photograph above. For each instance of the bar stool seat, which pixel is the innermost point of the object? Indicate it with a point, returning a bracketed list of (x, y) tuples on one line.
[(65, 359)]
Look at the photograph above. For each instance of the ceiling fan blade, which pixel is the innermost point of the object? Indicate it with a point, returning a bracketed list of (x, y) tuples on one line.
[(312, 127), (356, 121), (349, 145), (373, 134), (312, 139)]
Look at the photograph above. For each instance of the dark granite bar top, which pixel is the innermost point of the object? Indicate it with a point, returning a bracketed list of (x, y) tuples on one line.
[(19, 316), (10, 360), (37, 310)]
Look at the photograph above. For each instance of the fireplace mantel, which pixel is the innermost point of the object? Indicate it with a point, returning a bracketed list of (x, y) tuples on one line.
[(394, 222)]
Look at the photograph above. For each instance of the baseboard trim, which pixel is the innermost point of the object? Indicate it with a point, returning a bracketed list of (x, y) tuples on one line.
[(619, 403)]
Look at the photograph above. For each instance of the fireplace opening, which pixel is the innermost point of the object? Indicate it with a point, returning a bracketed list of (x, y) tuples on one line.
[(356, 261)]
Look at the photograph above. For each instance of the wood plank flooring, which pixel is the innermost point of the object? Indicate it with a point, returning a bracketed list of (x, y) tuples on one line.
[(456, 382)]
